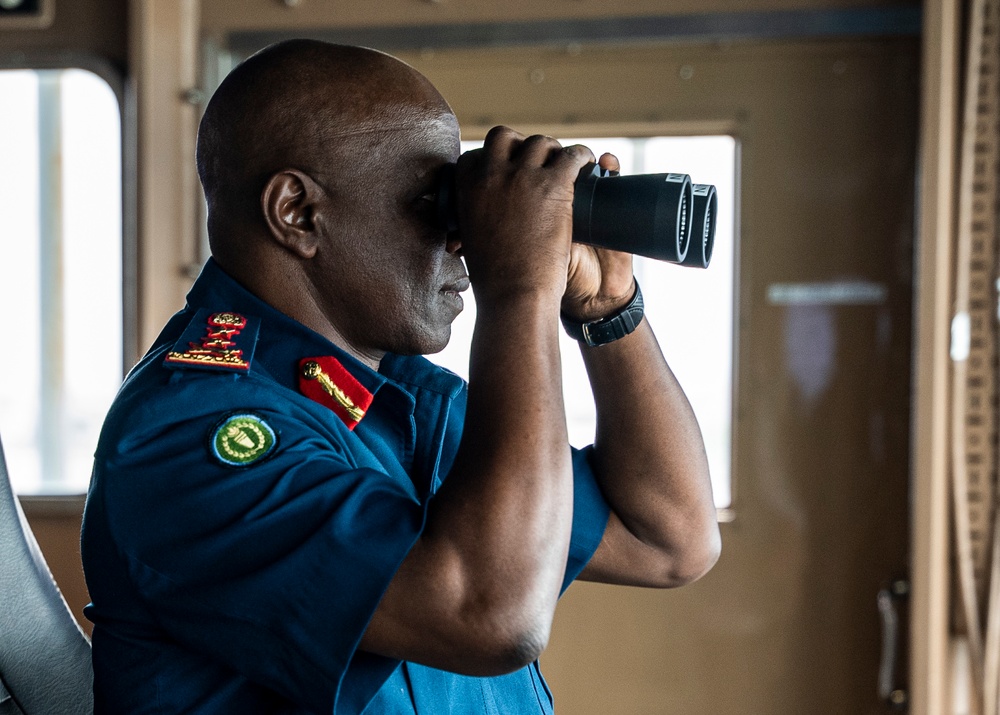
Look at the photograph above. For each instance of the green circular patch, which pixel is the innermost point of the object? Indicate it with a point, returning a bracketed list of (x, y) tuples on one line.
[(242, 439)]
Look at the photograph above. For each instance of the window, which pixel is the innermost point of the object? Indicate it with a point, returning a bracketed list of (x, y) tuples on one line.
[(690, 310), (60, 273)]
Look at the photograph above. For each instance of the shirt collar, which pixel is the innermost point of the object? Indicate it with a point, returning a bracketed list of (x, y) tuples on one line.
[(283, 340)]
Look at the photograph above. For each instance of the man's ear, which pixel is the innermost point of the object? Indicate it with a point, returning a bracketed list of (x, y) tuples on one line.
[(289, 202)]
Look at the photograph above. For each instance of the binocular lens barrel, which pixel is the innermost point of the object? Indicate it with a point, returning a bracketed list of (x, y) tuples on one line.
[(705, 208), (659, 216), (646, 214)]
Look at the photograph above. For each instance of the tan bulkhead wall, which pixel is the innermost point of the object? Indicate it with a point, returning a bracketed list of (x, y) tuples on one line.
[(219, 17), (627, 650)]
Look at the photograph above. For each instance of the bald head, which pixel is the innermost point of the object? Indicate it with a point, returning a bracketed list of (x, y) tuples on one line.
[(300, 104)]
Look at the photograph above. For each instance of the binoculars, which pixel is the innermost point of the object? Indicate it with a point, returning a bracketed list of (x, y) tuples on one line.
[(660, 216)]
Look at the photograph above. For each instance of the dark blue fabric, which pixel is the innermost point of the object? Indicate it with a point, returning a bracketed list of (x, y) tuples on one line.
[(222, 589)]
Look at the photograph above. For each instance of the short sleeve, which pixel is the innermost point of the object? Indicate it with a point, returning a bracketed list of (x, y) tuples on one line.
[(590, 516), (273, 568)]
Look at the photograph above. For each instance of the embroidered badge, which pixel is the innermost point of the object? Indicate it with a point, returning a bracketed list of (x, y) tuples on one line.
[(216, 341), (326, 381), (242, 439)]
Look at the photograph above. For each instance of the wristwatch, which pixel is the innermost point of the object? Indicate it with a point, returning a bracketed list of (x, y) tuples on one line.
[(607, 330)]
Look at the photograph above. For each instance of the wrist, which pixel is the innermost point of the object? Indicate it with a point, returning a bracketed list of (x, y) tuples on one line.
[(514, 302), (597, 307), (612, 326)]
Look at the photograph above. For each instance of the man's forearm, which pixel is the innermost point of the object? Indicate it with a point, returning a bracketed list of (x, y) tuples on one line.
[(478, 591), (650, 461), (512, 477)]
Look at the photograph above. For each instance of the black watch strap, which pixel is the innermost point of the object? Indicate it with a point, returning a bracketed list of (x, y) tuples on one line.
[(607, 330)]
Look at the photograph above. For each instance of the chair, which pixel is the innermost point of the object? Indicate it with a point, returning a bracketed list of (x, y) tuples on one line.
[(45, 666)]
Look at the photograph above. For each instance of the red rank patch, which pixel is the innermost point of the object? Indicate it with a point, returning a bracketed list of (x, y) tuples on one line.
[(326, 381), (218, 346)]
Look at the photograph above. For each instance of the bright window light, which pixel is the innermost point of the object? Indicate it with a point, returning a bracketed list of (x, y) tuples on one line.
[(690, 310), (60, 273)]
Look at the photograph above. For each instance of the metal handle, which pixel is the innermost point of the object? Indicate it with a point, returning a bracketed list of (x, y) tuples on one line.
[(888, 600)]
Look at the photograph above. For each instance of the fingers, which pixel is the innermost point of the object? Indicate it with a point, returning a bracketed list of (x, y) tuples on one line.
[(537, 150), (541, 150), (501, 142), (610, 162), (515, 213), (571, 159)]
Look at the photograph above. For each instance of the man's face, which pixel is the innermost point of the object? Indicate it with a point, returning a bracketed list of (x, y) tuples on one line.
[(388, 279)]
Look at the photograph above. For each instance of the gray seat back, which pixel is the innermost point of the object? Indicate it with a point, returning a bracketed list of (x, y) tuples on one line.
[(45, 666)]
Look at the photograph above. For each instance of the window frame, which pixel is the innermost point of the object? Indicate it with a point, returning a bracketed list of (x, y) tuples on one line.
[(651, 130), (115, 79)]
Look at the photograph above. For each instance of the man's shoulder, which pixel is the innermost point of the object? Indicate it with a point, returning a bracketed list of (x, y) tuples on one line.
[(215, 340), (161, 405), (213, 350), (200, 370), (420, 372)]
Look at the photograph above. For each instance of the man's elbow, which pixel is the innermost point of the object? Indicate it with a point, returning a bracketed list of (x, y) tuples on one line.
[(685, 563), (501, 648), (525, 648), (699, 559)]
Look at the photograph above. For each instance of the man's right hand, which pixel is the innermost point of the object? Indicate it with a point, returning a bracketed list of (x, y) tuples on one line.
[(515, 209)]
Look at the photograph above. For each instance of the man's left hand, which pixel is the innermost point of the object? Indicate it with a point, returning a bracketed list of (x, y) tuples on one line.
[(600, 280)]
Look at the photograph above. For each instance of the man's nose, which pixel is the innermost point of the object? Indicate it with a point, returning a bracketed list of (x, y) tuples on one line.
[(454, 243)]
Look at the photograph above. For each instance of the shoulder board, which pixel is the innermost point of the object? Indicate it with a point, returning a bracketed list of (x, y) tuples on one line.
[(326, 381), (216, 340)]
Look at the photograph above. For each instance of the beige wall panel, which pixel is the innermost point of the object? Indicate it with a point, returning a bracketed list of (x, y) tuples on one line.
[(221, 16), (91, 27), (165, 68), (935, 264)]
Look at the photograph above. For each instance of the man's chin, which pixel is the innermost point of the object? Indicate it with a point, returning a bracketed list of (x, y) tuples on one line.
[(428, 344), (438, 347)]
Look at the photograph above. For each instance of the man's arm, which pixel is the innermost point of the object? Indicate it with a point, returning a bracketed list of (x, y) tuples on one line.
[(650, 462), (477, 592), (649, 458)]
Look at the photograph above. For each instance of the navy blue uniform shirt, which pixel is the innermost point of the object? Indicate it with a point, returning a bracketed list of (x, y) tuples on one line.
[(239, 534)]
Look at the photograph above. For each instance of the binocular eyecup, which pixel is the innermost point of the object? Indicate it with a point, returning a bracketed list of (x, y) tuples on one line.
[(659, 216)]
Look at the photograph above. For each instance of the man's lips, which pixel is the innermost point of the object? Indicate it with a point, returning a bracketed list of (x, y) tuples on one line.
[(456, 286)]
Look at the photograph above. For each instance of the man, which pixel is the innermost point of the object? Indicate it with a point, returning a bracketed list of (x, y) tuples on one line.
[(293, 512)]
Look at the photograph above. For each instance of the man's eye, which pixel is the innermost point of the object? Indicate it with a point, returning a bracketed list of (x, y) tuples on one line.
[(426, 203)]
